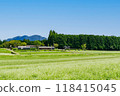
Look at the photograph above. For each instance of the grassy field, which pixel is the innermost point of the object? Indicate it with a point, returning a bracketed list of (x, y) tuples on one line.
[(3, 50), (59, 65)]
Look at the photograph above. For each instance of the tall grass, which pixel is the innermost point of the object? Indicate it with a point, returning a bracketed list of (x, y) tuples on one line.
[(71, 65)]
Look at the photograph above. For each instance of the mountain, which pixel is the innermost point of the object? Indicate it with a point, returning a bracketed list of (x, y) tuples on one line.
[(31, 38)]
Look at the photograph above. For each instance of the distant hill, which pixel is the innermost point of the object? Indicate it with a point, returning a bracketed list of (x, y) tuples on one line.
[(31, 38)]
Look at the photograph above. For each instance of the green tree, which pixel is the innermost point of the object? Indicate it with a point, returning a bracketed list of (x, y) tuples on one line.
[(6, 45), (14, 43), (56, 45), (28, 41), (23, 44), (52, 37), (83, 47), (37, 43), (4, 41), (45, 42), (1, 42)]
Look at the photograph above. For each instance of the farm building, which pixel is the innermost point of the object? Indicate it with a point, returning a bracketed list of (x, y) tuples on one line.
[(23, 47), (27, 47), (46, 47), (34, 46)]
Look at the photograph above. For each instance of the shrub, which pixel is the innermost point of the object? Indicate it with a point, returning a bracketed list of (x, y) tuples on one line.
[(15, 49), (33, 49), (83, 46)]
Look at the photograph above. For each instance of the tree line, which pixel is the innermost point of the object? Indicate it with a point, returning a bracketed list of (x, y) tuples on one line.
[(16, 43), (92, 42)]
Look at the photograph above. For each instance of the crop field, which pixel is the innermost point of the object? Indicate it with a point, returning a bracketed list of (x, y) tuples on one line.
[(60, 65)]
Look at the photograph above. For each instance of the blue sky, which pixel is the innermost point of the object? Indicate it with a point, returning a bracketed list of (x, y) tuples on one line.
[(31, 17)]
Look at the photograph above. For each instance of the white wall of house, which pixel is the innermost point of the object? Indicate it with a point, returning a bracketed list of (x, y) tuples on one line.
[(23, 47)]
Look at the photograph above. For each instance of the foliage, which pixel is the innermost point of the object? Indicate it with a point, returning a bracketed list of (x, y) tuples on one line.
[(56, 45), (93, 42), (1, 46), (34, 49), (4, 41), (83, 46), (37, 43), (13, 43), (23, 44), (45, 42), (52, 38), (15, 49), (1, 42)]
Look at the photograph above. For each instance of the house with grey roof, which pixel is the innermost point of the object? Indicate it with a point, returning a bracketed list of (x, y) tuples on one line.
[(34, 46)]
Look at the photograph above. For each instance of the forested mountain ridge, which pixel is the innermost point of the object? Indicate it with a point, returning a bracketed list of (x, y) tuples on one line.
[(31, 38)]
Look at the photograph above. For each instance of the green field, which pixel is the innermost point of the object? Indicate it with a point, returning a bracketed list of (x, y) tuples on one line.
[(3, 50), (59, 65)]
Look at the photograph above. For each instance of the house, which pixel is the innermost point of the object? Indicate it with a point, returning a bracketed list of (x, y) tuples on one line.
[(27, 47), (23, 47), (46, 47), (34, 46)]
